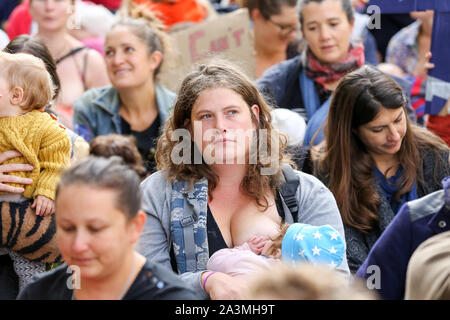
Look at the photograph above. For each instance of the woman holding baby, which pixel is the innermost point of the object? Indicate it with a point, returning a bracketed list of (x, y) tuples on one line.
[(217, 187)]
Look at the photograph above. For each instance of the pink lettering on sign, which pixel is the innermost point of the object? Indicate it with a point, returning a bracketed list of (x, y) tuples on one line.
[(237, 37), (216, 45), (219, 45), (192, 48)]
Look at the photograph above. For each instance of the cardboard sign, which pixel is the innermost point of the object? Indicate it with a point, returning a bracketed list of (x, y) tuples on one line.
[(228, 37), (438, 82)]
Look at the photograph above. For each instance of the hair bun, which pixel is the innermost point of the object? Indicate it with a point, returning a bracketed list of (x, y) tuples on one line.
[(144, 13)]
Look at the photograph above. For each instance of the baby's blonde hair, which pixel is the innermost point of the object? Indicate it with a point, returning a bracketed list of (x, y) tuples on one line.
[(30, 74)]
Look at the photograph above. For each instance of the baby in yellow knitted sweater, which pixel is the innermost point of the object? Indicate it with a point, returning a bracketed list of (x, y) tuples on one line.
[(26, 89)]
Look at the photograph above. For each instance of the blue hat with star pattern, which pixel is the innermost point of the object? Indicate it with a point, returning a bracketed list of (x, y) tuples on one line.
[(314, 244)]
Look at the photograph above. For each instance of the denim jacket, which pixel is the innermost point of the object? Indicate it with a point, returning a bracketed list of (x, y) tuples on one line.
[(96, 112), (170, 206)]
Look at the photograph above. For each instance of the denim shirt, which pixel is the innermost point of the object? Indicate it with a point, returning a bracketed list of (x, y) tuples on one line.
[(96, 112)]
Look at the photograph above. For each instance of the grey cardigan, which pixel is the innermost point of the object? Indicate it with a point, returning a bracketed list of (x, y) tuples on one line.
[(163, 201)]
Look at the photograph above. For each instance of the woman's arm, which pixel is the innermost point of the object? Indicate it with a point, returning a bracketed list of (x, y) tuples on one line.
[(12, 167)]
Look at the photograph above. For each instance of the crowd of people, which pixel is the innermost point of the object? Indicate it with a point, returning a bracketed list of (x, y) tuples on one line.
[(318, 177)]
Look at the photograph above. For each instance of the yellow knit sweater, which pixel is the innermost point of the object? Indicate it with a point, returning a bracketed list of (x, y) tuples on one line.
[(43, 143)]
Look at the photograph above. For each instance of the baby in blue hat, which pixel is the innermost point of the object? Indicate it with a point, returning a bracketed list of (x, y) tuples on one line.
[(296, 243), (316, 244)]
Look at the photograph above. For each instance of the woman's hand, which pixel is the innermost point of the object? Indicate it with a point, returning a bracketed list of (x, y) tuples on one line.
[(12, 167), (221, 286)]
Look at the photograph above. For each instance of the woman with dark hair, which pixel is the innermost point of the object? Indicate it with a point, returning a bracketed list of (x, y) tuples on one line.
[(98, 221), (222, 183), (305, 83), (136, 103), (374, 159), (275, 26)]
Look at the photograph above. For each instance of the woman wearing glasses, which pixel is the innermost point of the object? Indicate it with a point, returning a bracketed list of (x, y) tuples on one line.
[(275, 25), (305, 84)]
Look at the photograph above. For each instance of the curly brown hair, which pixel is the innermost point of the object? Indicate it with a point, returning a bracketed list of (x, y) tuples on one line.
[(222, 75), (118, 145)]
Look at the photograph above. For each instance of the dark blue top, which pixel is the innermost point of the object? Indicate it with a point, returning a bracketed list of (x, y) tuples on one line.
[(390, 186), (416, 221), (6, 7)]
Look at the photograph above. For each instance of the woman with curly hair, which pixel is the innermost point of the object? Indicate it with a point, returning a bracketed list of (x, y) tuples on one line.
[(220, 185)]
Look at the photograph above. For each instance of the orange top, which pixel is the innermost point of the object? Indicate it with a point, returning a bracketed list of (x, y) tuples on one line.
[(180, 11)]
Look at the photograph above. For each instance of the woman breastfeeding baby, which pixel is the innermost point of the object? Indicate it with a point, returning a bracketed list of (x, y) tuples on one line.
[(294, 243), (219, 181)]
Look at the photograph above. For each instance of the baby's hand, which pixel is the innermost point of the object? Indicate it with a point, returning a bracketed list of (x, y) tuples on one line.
[(268, 251), (256, 244), (44, 206)]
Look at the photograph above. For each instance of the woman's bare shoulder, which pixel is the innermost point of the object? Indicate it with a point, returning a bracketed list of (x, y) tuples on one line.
[(96, 74)]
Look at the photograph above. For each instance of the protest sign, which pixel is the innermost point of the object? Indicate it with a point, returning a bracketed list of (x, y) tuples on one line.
[(228, 36)]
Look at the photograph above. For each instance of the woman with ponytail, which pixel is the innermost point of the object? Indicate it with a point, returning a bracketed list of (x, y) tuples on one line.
[(135, 104)]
